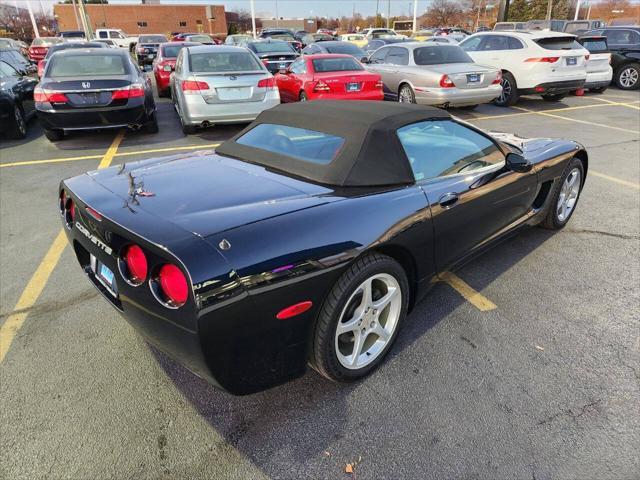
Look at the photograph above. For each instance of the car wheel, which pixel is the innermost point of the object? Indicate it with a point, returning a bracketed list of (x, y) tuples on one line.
[(628, 77), (554, 97), (303, 97), (152, 125), (19, 128), (509, 95), (406, 94), (565, 196), (187, 129), (360, 318), (598, 90), (54, 135)]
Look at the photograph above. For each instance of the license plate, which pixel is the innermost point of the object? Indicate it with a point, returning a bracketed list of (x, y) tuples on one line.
[(234, 93), (104, 275), (572, 60), (473, 78), (91, 98), (282, 66), (353, 87)]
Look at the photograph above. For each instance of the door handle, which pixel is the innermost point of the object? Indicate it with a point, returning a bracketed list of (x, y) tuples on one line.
[(448, 200)]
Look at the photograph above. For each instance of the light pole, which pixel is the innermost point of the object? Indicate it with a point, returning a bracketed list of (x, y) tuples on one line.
[(277, 17), (33, 21), (388, 12), (75, 11), (415, 15), (575, 17), (253, 19)]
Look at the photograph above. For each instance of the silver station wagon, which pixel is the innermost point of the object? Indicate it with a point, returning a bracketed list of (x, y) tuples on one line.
[(434, 74), (215, 84)]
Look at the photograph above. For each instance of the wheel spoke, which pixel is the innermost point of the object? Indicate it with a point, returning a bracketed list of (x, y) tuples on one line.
[(351, 325), (358, 343), (381, 332), (367, 293), (381, 303)]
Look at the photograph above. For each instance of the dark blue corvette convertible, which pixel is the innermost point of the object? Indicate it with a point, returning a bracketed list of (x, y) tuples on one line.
[(307, 237)]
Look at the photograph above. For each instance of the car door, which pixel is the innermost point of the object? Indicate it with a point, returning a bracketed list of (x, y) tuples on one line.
[(22, 87), (396, 59), (621, 41), (473, 197), (290, 84)]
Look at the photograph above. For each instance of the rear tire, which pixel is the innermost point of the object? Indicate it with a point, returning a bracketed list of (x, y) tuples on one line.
[(406, 94), (509, 95), (303, 97), (54, 135), (565, 196), (553, 97), (152, 125), (368, 325), (628, 76), (19, 128)]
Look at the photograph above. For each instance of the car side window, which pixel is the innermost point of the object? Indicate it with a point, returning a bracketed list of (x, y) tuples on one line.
[(299, 66), (514, 43), (471, 45), (103, 34), (438, 148), (622, 37), (397, 56), (379, 55), (7, 70), (494, 42)]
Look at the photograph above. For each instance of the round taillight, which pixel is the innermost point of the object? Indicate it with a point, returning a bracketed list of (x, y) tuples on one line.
[(63, 200), (173, 284), (136, 263)]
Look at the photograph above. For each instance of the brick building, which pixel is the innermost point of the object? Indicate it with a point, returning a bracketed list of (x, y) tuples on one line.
[(148, 18)]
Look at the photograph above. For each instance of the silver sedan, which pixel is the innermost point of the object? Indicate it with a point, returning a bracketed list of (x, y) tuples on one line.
[(220, 84), (434, 74)]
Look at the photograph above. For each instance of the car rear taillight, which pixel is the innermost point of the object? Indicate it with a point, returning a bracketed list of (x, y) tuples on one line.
[(586, 57), (321, 87), (379, 84), (173, 285), (132, 91), (135, 262), (543, 59), (71, 208), (95, 215), (42, 95), (62, 201), (41, 65), (498, 79), (267, 83), (192, 86), (446, 82)]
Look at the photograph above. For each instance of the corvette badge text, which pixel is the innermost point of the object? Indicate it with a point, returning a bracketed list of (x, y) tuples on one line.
[(96, 241)]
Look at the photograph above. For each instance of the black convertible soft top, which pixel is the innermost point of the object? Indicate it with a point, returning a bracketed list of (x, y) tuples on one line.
[(371, 154)]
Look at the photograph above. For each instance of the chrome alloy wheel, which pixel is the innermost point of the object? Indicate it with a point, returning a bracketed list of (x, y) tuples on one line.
[(368, 321), (628, 77), (568, 195), (506, 90), (405, 95), (20, 123)]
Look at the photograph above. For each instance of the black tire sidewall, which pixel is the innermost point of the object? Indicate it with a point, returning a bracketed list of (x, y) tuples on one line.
[(326, 359), (622, 69), (552, 220), (513, 98)]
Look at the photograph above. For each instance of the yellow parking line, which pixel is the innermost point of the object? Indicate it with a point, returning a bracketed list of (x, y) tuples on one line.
[(614, 179), (630, 104), (32, 291), (533, 112), (475, 298), (601, 125), (93, 157)]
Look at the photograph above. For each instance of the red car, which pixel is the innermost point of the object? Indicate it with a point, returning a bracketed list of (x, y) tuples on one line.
[(40, 46), (328, 76), (164, 64)]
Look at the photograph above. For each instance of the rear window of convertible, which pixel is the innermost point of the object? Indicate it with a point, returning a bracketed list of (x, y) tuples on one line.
[(299, 143)]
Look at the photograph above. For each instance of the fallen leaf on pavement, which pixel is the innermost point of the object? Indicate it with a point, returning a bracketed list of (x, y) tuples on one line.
[(348, 468), (540, 348)]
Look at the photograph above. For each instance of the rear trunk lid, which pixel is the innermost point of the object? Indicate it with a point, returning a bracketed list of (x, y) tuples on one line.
[(348, 81), (571, 61), (232, 87), (207, 193), (466, 75), (599, 55)]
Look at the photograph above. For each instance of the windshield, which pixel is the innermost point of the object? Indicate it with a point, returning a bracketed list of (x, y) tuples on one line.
[(504, 26), (346, 48), (151, 39), (558, 43), (270, 47), (279, 35), (80, 65), (573, 27), (5, 43), (45, 41), (435, 55), (200, 39), (299, 143), (343, 64), (171, 51), (223, 62), (72, 34)]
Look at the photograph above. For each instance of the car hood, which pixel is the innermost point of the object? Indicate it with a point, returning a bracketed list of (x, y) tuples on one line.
[(205, 193)]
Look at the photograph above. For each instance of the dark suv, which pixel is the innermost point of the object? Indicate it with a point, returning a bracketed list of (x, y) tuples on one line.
[(624, 44)]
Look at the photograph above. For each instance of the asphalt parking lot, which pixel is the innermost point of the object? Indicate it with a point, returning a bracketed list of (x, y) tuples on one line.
[(525, 364)]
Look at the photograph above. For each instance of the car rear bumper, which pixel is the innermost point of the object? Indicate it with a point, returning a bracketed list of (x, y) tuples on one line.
[(196, 111), (85, 119), (162, 82), (457, 96), (366, 95), (599, 79), (565, 86)]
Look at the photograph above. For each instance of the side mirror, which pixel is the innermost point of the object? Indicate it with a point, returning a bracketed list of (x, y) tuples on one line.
[(365, 60), (518, 163)]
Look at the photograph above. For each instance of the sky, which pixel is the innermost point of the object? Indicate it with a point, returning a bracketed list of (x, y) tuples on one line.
[(286, 8)]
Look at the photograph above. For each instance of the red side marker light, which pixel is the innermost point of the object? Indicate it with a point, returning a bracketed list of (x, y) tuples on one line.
[(294, 310), (94, 214)]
